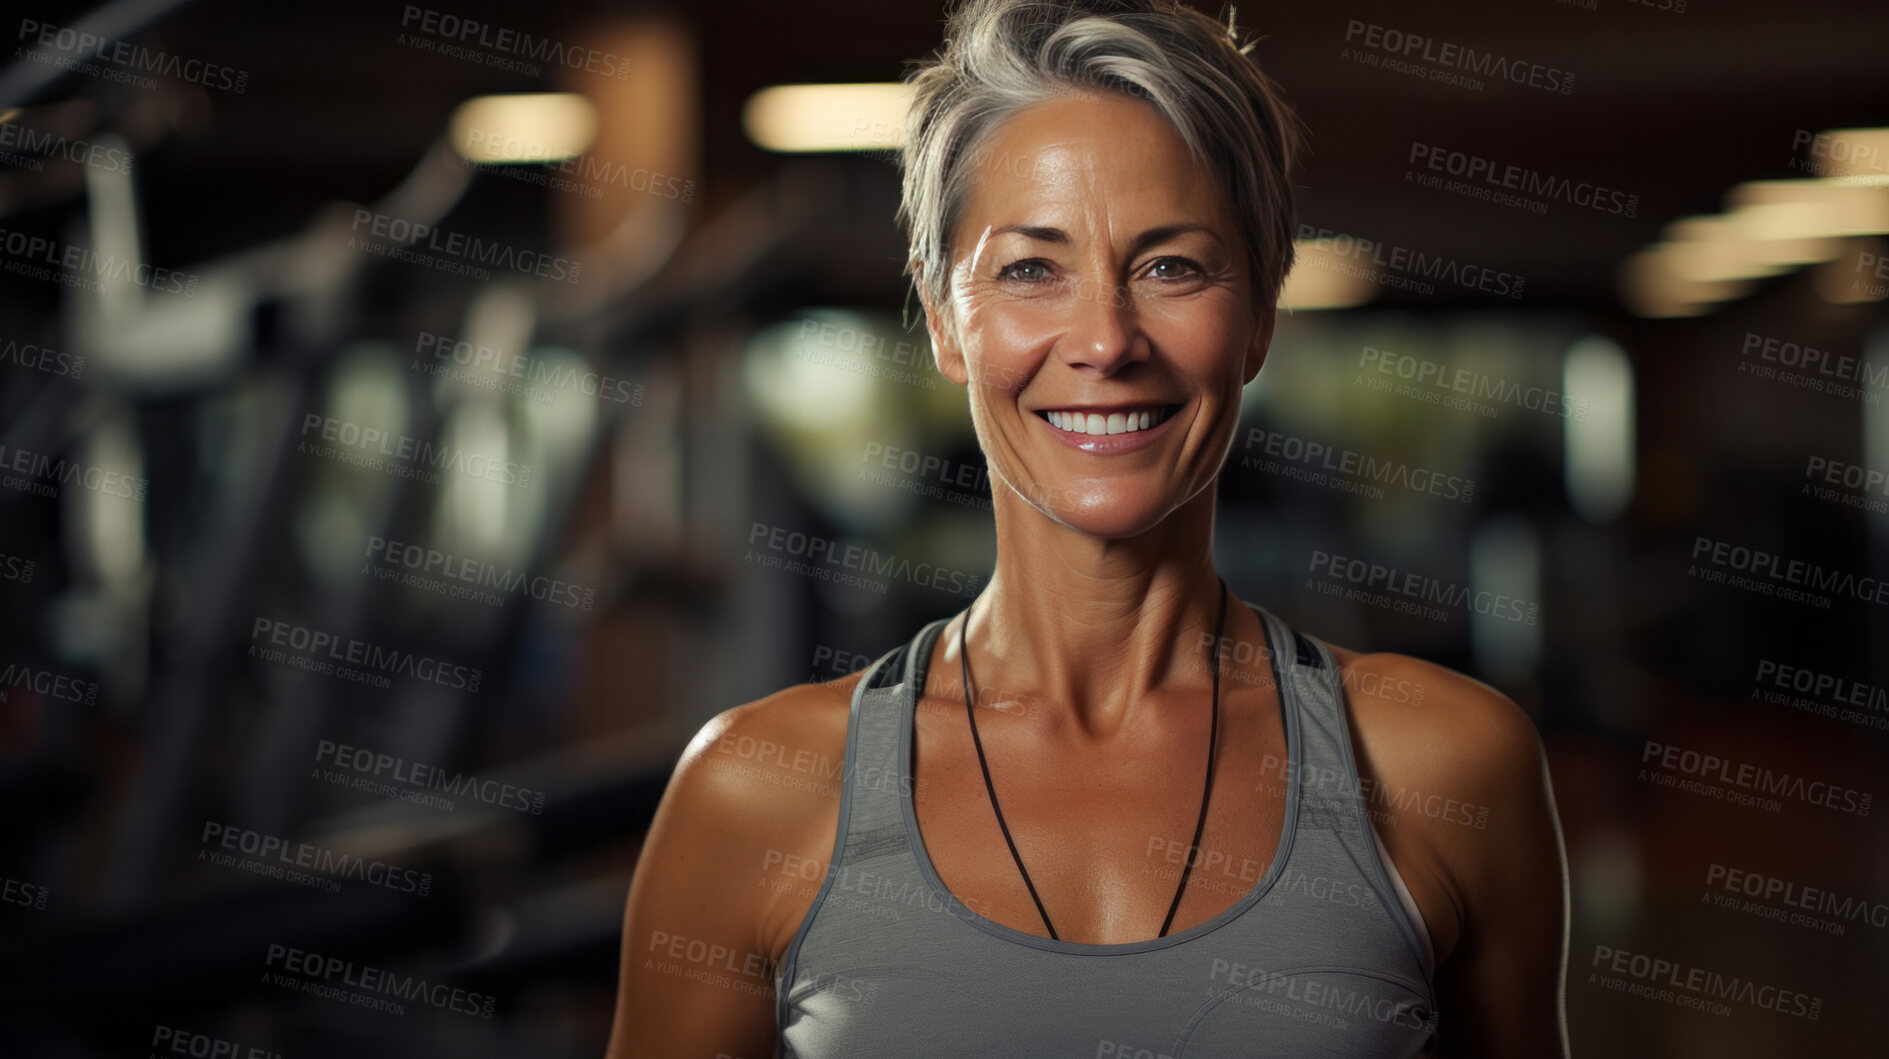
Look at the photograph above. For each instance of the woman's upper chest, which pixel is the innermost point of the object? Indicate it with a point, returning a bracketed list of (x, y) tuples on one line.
[(1102, 826)]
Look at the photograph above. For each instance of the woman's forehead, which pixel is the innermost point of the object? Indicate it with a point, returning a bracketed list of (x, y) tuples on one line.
[(1075, 161)]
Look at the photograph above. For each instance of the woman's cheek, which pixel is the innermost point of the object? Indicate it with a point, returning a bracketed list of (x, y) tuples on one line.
[(1012, 338), (1194, 332)]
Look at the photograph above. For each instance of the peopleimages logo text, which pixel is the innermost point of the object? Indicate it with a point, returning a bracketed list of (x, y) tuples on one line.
[(1416, 47), (420, 561), (36, 145), (228, 837), (1363, 467), (535, 372), (429, 777), (1795, 895), (1700, 983), (1436, 375), (418, 453), (81, 46), (88, 264), (1757, 779), (46, 684), (467, 248), (467, 31), (313, 968), (1522, 180), (1424, 587), (819, 550), (1789, 572), (38, 465), (1368, 256), (325, 649), (1824, 685)]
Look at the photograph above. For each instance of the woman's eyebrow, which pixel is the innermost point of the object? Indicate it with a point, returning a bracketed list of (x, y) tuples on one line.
[(1036, 232), (1157, 236), (1151, 237)]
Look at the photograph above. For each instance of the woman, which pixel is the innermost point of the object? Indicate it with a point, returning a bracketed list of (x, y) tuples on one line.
[(1139, 845)]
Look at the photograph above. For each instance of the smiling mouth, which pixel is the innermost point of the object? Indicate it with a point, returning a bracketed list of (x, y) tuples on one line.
[(1119, 421)]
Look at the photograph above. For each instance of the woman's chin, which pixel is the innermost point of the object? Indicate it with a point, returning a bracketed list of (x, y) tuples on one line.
[(1110, 517)]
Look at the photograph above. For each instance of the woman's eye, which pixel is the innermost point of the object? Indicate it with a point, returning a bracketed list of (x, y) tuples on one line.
[(1173, 268), (1028, 271)]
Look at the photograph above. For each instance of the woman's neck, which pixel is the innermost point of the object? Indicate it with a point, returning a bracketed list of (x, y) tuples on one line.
[(1095, 625)]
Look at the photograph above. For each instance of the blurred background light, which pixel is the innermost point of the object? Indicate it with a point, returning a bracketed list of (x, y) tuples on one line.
[(1323, 279), (1652, 284), (526, 127), (1505, 562), (840, 117), (819, 394), (1783, 233), (1711, 249), (1851, 278), (1853, 155), (1830, 208), (1597, 377)]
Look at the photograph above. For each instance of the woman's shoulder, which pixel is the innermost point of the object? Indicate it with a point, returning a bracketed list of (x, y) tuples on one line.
[(774, 742), (1455, 777), (755, 793), (1447, 723), (750, 811)]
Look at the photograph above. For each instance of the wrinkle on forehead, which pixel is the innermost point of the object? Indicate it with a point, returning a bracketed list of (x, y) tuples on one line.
[(1083, 161)]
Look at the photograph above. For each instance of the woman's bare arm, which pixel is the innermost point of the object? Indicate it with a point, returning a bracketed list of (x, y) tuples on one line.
[(1479, 844), (1503, 988), (709, 908)]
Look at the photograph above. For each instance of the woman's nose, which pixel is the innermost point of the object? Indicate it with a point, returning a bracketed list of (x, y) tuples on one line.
[(1104, 328)]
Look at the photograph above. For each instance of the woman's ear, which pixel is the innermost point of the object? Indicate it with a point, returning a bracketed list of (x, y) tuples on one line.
[(944, 349), (1256, 352)]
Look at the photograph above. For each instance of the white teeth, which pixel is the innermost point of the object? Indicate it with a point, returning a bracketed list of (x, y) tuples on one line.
[(1096, 423)]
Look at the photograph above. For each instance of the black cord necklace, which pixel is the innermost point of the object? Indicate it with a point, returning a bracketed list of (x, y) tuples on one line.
[(1213, 737)]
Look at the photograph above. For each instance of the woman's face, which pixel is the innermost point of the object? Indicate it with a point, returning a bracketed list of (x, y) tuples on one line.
[(1099, 283)]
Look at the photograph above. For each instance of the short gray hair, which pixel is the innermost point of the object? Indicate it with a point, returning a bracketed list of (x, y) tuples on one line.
[(1000, 56)]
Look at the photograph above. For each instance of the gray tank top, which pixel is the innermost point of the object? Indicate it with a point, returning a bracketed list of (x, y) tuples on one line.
[(1317, 960)]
